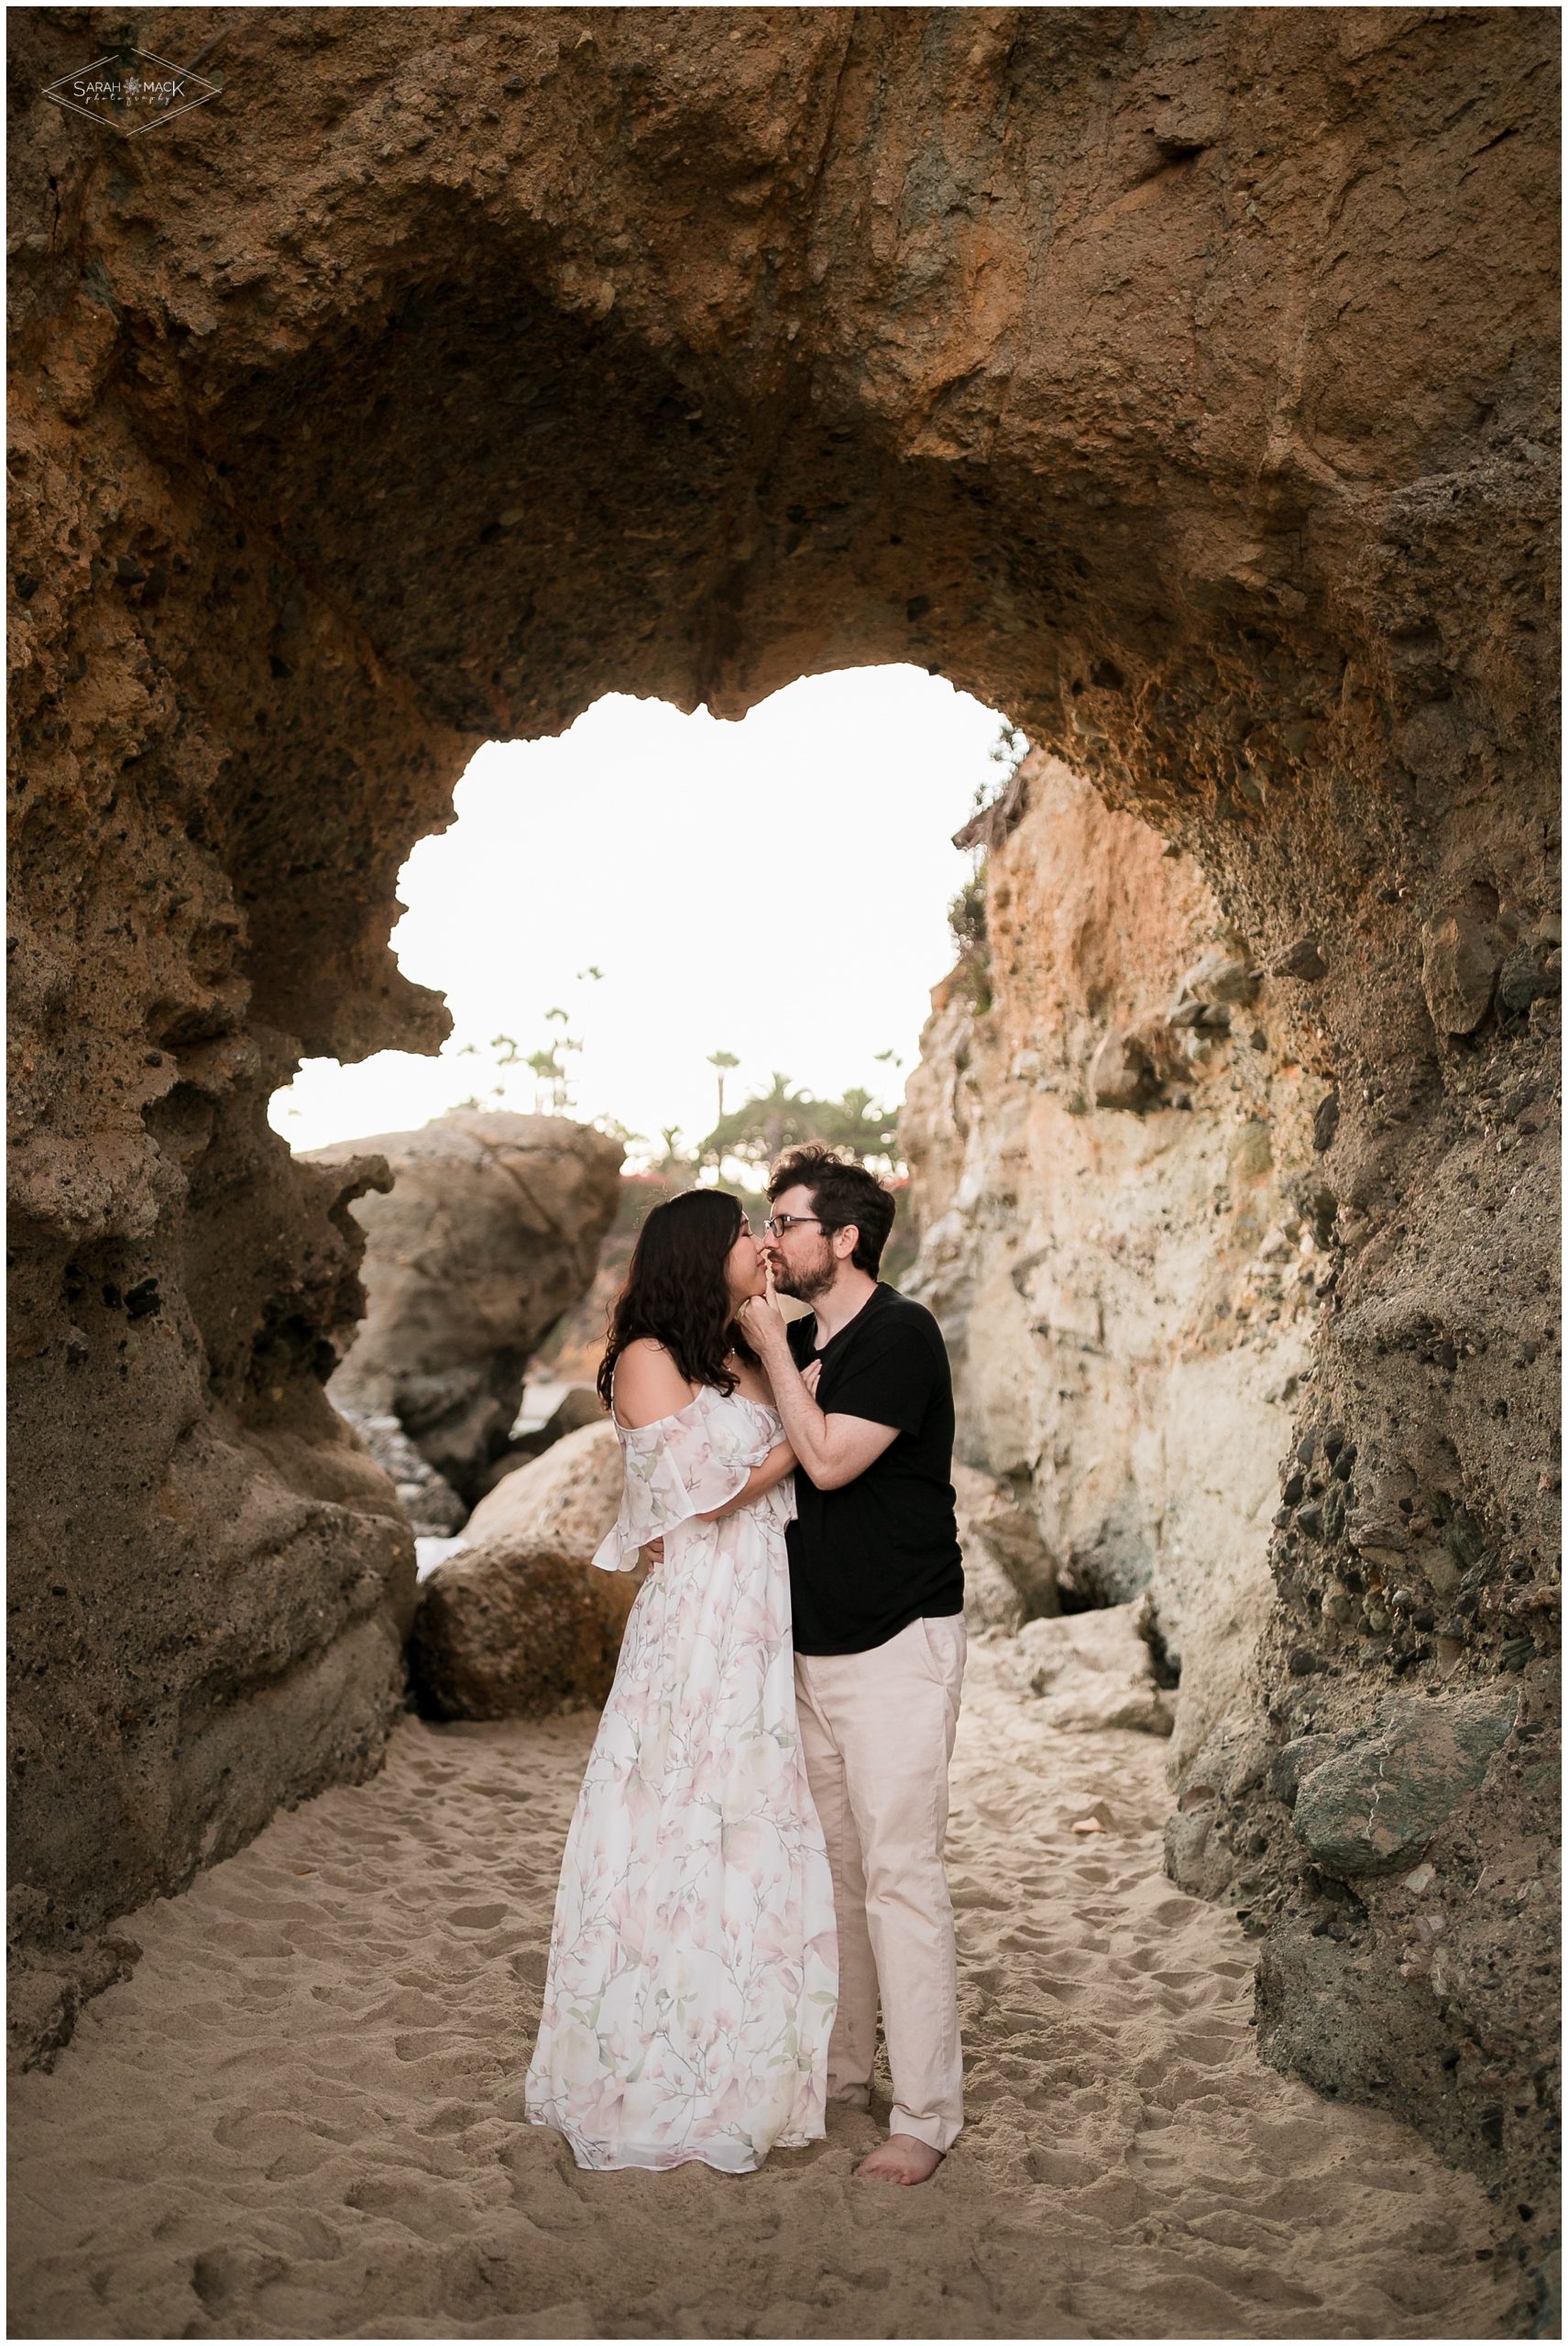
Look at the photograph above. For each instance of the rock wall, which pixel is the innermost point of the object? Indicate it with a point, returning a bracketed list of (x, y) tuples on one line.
[(1128, 1271), (1136, 1234), (1180, 382)]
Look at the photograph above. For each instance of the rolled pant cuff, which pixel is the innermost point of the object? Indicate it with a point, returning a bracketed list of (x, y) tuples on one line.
[(937, 2133)]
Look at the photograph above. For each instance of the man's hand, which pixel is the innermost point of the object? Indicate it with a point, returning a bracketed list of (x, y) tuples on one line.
[(762, 1323), (832, 1449)]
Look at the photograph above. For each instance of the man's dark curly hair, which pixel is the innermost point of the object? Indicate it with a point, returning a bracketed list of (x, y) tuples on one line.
[(675, 1291), (842, 1192)]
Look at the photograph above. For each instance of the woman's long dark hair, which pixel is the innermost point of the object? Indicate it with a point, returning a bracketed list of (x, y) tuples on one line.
[(675, 1290)]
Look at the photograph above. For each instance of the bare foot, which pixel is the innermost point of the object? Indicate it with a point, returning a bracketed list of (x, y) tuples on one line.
[(902, 2158)]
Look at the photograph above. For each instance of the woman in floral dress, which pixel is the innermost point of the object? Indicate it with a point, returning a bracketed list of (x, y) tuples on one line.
[(693, 1971)]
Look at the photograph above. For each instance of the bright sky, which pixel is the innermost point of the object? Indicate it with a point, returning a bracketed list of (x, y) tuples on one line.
[(777, 888)]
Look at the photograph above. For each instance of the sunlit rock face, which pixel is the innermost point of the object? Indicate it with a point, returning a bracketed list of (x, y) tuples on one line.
[(1128, 1272), (1178, 382)]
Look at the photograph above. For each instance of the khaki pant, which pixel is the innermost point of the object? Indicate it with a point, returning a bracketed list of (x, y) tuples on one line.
[(877, 1732)]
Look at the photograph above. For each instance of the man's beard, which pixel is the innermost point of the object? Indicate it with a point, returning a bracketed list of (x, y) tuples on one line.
[(806, 1286)]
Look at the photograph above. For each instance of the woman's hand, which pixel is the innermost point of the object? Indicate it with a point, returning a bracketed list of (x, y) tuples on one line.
[(654, 1552), (811, 1377)]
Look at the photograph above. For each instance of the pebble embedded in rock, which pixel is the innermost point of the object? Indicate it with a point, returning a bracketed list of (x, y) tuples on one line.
[(1325, 1123), (1460, 954), (1303, 959), (1363, 1809)]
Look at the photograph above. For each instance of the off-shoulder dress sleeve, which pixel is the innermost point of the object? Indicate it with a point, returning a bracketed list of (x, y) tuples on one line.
[(679, 1466)]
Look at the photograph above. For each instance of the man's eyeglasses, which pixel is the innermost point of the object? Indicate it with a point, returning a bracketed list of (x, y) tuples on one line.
[(777, 1224)]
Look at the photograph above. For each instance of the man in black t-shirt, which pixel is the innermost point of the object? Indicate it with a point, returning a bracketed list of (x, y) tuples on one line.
[(877, 1592)]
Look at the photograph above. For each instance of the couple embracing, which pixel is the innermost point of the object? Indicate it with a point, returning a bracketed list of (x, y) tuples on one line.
[(757, 1846)]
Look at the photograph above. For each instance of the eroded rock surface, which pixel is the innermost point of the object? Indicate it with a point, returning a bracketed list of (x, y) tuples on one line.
[(1009, 1573), (1148, 1263), (490, 1229), (1129, 1286), (1374, 1803), (1090, 1671), (1178, 381)]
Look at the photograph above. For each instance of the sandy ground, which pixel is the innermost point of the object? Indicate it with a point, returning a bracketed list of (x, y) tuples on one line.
[(302, 2114)]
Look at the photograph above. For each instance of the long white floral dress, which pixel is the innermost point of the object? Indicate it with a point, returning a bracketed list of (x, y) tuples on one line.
[(693, 1968)]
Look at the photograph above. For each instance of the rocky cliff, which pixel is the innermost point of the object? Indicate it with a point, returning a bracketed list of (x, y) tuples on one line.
[(1137, 1235), (1123, 1223), (1178, 381)]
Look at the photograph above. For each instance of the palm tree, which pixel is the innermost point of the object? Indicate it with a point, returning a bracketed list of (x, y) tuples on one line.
[(723, 1061)]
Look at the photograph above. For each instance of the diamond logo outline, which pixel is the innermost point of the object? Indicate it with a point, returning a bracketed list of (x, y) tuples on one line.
[(116, 57)]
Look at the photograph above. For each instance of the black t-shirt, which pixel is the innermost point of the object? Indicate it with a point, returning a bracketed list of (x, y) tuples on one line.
[(868, 1559)]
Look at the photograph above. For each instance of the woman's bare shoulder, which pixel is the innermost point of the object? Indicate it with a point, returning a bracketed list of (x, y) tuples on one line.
[(648, 1385)]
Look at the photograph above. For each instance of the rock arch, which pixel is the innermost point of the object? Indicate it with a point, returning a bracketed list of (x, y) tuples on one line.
[(1178, 381)]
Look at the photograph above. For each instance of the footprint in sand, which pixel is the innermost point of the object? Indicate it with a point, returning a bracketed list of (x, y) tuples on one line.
[(303, 2158), (420, 2204), (1151, 1958), (1063, 2170), (220, 2275), (415, 2007), (448, 2118), (1212, 2045), (262, 2133)]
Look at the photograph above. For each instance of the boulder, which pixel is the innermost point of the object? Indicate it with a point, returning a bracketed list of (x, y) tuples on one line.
[(991, 1601), (491, 1229), (1372, 1806), (44, 1997), (568, 1499), (1231, 1760), (579, 1405), (1528, 975), (1089, 1670), (520, 1620), (513, 1633), (1009, 1573)]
